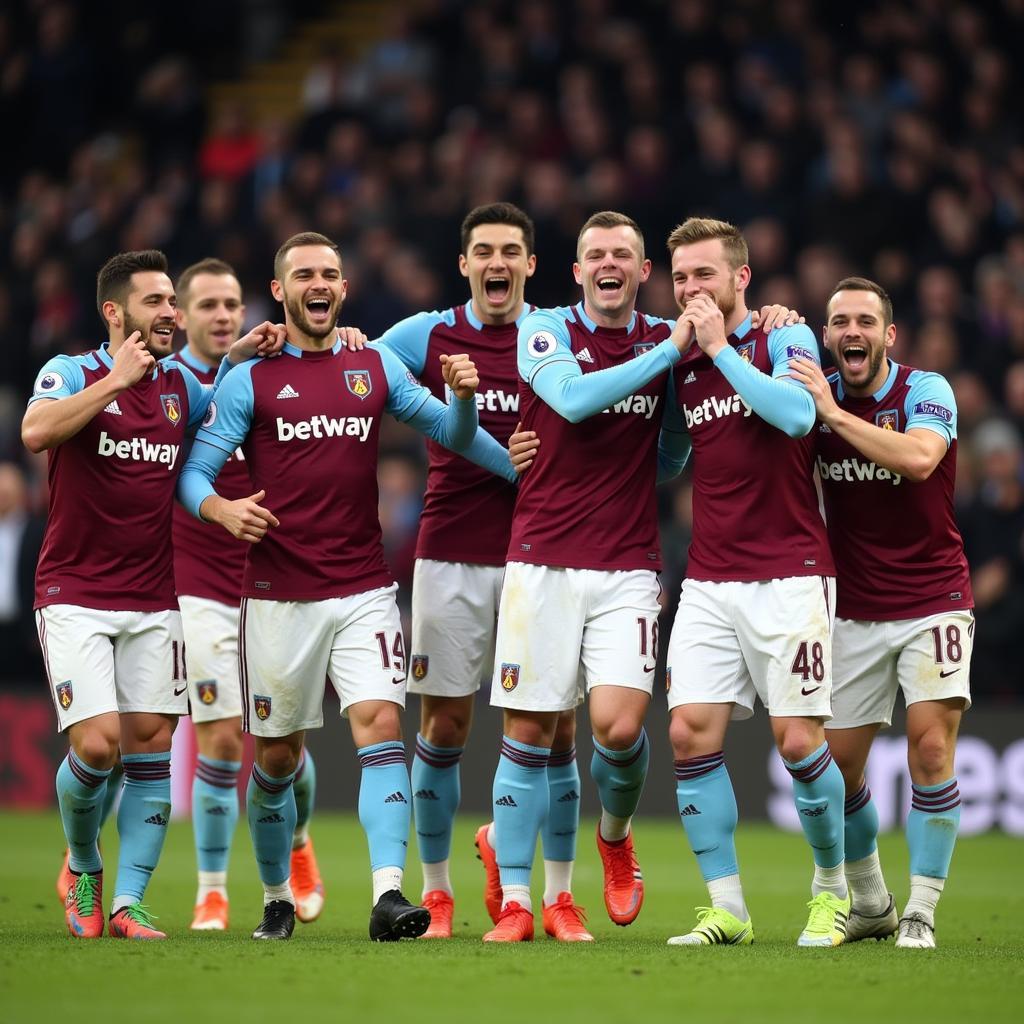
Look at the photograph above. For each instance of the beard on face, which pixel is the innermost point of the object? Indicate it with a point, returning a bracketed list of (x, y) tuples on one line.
[(157, 345), (297, 312)]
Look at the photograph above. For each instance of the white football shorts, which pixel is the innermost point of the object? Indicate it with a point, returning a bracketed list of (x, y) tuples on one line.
[(454, 613), (211, 657), (734, 641), (289, 649), (928, 658), (562, 632), (101, 661)]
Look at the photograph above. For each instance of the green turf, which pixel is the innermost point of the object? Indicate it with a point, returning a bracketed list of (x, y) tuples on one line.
[(330, 971)]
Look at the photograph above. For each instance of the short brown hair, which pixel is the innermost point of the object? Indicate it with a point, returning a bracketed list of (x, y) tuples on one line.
[(704, 229), (302, 238), (862, 284), (113, 282), (208, 266), (497, 213), (609, 219)]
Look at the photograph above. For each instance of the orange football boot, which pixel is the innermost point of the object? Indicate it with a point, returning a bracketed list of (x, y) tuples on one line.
[(492, 880), (441, 905), (133, 922), (307, 886), (211, 915), (83, 906), (563, 920), (623, 881), (515, 924)]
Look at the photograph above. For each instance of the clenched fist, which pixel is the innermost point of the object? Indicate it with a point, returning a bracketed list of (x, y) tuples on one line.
[(459, 372)]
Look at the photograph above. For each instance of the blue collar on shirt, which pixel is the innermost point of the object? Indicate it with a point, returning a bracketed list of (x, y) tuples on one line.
[(590, 325), (744, 328), (882, 391), (292, 350), (191, 359), (478, 324)]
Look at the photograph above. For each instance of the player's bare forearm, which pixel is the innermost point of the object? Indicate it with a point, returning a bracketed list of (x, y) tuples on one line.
[(53, 421), (243, 518), (914, 455)]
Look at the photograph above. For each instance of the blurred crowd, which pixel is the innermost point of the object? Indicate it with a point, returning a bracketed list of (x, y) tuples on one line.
[(882, 139)]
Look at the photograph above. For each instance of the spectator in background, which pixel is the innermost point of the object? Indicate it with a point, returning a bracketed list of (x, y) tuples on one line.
[(17, 661)]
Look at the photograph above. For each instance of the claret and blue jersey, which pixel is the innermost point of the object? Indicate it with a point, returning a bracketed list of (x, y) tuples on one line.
[(108, 536), (308, 424), (896, 543)]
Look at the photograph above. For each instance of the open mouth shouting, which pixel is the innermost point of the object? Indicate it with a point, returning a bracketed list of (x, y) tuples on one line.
[(497, 288), (609, 287), (855, 355), (318, 310)]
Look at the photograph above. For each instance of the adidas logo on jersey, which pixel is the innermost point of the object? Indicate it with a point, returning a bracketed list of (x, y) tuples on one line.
[(395, 798), (689, 809), (715, 409), (569, 797), (853, 470), (691, 378), (505, 801), (287, 392), (584, 356), (824, 429), (156, 819), (114, 409), (426, 794)]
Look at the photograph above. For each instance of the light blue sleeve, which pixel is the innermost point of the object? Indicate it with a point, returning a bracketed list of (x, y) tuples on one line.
[(199, 394), (674, 445), (60, 377), (930, 405), (409, 338), (778, 399), (547, 364), (488, 453), (451, 425), (227, 423), (222, 371)]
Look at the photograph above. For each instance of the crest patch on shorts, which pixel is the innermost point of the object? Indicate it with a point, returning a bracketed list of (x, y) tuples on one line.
[(262, 706), (207, 691), (65, 694), (420, 666), (509, 676)]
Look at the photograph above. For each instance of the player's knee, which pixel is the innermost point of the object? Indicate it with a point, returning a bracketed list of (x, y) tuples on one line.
[(796, 744), (682, 736), (445, 727), (226, 745), (96, 748), (565, 731), (277, 760), (931, 754), (620, 734)]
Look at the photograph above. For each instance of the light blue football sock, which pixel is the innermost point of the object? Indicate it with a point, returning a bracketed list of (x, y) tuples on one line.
[(214, 811), (80, 793), (707, 809), (436, 791), (558, 833), (270, 808), (385, 803), (932, 827), (112, 792), (520, 795), (819, 793), (304, 788), (620, 775), (861, 824), (142, 821)]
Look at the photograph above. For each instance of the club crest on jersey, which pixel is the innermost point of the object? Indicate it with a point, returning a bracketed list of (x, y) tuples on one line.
[(262, 706), (509, 676), (642, 347), (420, 666), (172, 407), (49, 382), (65, 694), (746, 352), (207, 691), (541, 344), (359, 383), (888, 419)]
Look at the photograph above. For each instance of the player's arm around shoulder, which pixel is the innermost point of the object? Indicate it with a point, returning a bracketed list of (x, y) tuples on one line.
[(61, 405), (410, 338)]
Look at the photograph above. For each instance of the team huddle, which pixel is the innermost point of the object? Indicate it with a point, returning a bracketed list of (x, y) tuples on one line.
[(548, 431)]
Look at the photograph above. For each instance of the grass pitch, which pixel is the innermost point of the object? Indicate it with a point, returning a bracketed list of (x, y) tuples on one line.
[(330, 971)]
